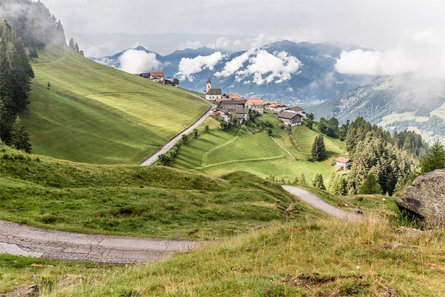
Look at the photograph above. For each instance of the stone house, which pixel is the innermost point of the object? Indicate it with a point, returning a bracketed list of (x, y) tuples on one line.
[(232, 105), (290, 118)]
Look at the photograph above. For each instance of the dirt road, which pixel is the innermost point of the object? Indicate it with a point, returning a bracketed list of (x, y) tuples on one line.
[(28, 241), (322, 206), (169, 145)]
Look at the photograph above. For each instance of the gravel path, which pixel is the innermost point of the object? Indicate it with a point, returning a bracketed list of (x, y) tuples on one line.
[(28, 241), (169, 145), (322, 206)]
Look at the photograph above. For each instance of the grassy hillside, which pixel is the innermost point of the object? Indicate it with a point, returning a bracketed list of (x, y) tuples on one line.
[(324, 258), (96, 114), (217, 152), (131, 200)]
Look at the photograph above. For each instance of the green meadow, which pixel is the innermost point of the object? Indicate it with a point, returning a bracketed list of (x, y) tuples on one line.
[(140, 201), (96, 114), (217, 152)]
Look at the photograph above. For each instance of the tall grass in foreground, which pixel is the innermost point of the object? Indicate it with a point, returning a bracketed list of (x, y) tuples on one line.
[(324, 258)]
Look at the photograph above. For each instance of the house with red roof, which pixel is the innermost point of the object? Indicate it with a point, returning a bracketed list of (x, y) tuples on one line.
[(343, 163)]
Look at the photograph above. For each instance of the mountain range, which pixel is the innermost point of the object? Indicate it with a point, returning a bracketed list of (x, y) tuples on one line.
[(394, 102), (284, 71)]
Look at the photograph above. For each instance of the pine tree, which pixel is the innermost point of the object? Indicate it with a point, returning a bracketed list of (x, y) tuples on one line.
[(15, 76), (370, 185), (318, 182), (72, 44), (19, 136), (338, 185), (435, 159), (318, 151)]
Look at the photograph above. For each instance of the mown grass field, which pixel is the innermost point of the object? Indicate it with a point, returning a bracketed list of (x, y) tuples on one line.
[(217, 152), (306, 258), (96, 114), (130, 200)]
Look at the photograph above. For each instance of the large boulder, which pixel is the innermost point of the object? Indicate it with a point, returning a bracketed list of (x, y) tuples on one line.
[(425, 197)]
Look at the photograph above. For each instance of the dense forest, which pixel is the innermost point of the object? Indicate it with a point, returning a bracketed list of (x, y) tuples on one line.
[(392, 159), (15, 77)]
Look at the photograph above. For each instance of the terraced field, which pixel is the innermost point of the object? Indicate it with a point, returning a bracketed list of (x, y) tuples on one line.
[(218, 152)]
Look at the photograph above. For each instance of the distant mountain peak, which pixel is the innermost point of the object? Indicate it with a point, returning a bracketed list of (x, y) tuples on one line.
[(269, 72)]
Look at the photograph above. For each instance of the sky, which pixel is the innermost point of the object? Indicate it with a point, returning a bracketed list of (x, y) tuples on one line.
[(397, 33)]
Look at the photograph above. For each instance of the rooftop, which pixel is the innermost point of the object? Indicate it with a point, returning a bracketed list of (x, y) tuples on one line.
[(156, 74), (288, 115), (232, 101), (214, 92), (295, 108), (343, 160)]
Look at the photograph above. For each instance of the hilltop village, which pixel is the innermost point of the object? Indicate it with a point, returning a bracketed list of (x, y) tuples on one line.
[(231, 106)]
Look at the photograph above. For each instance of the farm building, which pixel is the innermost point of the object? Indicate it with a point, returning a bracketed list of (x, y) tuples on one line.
[(256, 104), (290, 118), (343, 163), (232, 105)]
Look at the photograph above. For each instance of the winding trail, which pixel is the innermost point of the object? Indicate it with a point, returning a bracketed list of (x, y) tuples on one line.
[(169, 145), (28, 241), (322, 206)]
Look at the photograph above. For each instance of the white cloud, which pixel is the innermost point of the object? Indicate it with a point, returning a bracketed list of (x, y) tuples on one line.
[(189, 66), (266, 67), (422, 55), (190, 44), (234, 65), (374, 62), (135, 61)]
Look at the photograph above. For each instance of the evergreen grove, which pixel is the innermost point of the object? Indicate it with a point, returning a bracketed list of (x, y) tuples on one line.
[(15, 77)]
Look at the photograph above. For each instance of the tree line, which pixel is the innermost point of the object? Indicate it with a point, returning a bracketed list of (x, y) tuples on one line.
[(15, 78), (382, 162)]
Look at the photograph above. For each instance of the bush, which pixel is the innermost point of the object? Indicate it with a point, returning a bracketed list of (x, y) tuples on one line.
[(184, 138)]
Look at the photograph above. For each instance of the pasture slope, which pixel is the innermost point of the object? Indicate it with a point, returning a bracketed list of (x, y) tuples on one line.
[(151, 201), (96, 114), (218, 152)]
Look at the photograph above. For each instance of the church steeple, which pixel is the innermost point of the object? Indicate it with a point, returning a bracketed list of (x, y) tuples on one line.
[(208, 85)]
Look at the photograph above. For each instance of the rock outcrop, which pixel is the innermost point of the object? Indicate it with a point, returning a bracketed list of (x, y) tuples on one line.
[(425, 198)]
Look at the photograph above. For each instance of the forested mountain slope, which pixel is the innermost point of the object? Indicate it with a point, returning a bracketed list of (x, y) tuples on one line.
[(395, 103)]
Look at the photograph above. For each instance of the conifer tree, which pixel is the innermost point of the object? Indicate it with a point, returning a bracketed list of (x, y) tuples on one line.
[(318, 182), (318, 151), (19, 136), (370, 185), (435, 159)]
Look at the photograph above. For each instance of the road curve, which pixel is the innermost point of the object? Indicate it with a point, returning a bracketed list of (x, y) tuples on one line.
[(169, 145), (322, 206), (28, 241)]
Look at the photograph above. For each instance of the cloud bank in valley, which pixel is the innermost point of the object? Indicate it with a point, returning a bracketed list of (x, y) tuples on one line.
[(138, 61), (189, 66), (422, 55)]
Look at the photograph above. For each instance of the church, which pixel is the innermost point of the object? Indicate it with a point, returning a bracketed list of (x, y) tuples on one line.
[(212, 94)]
